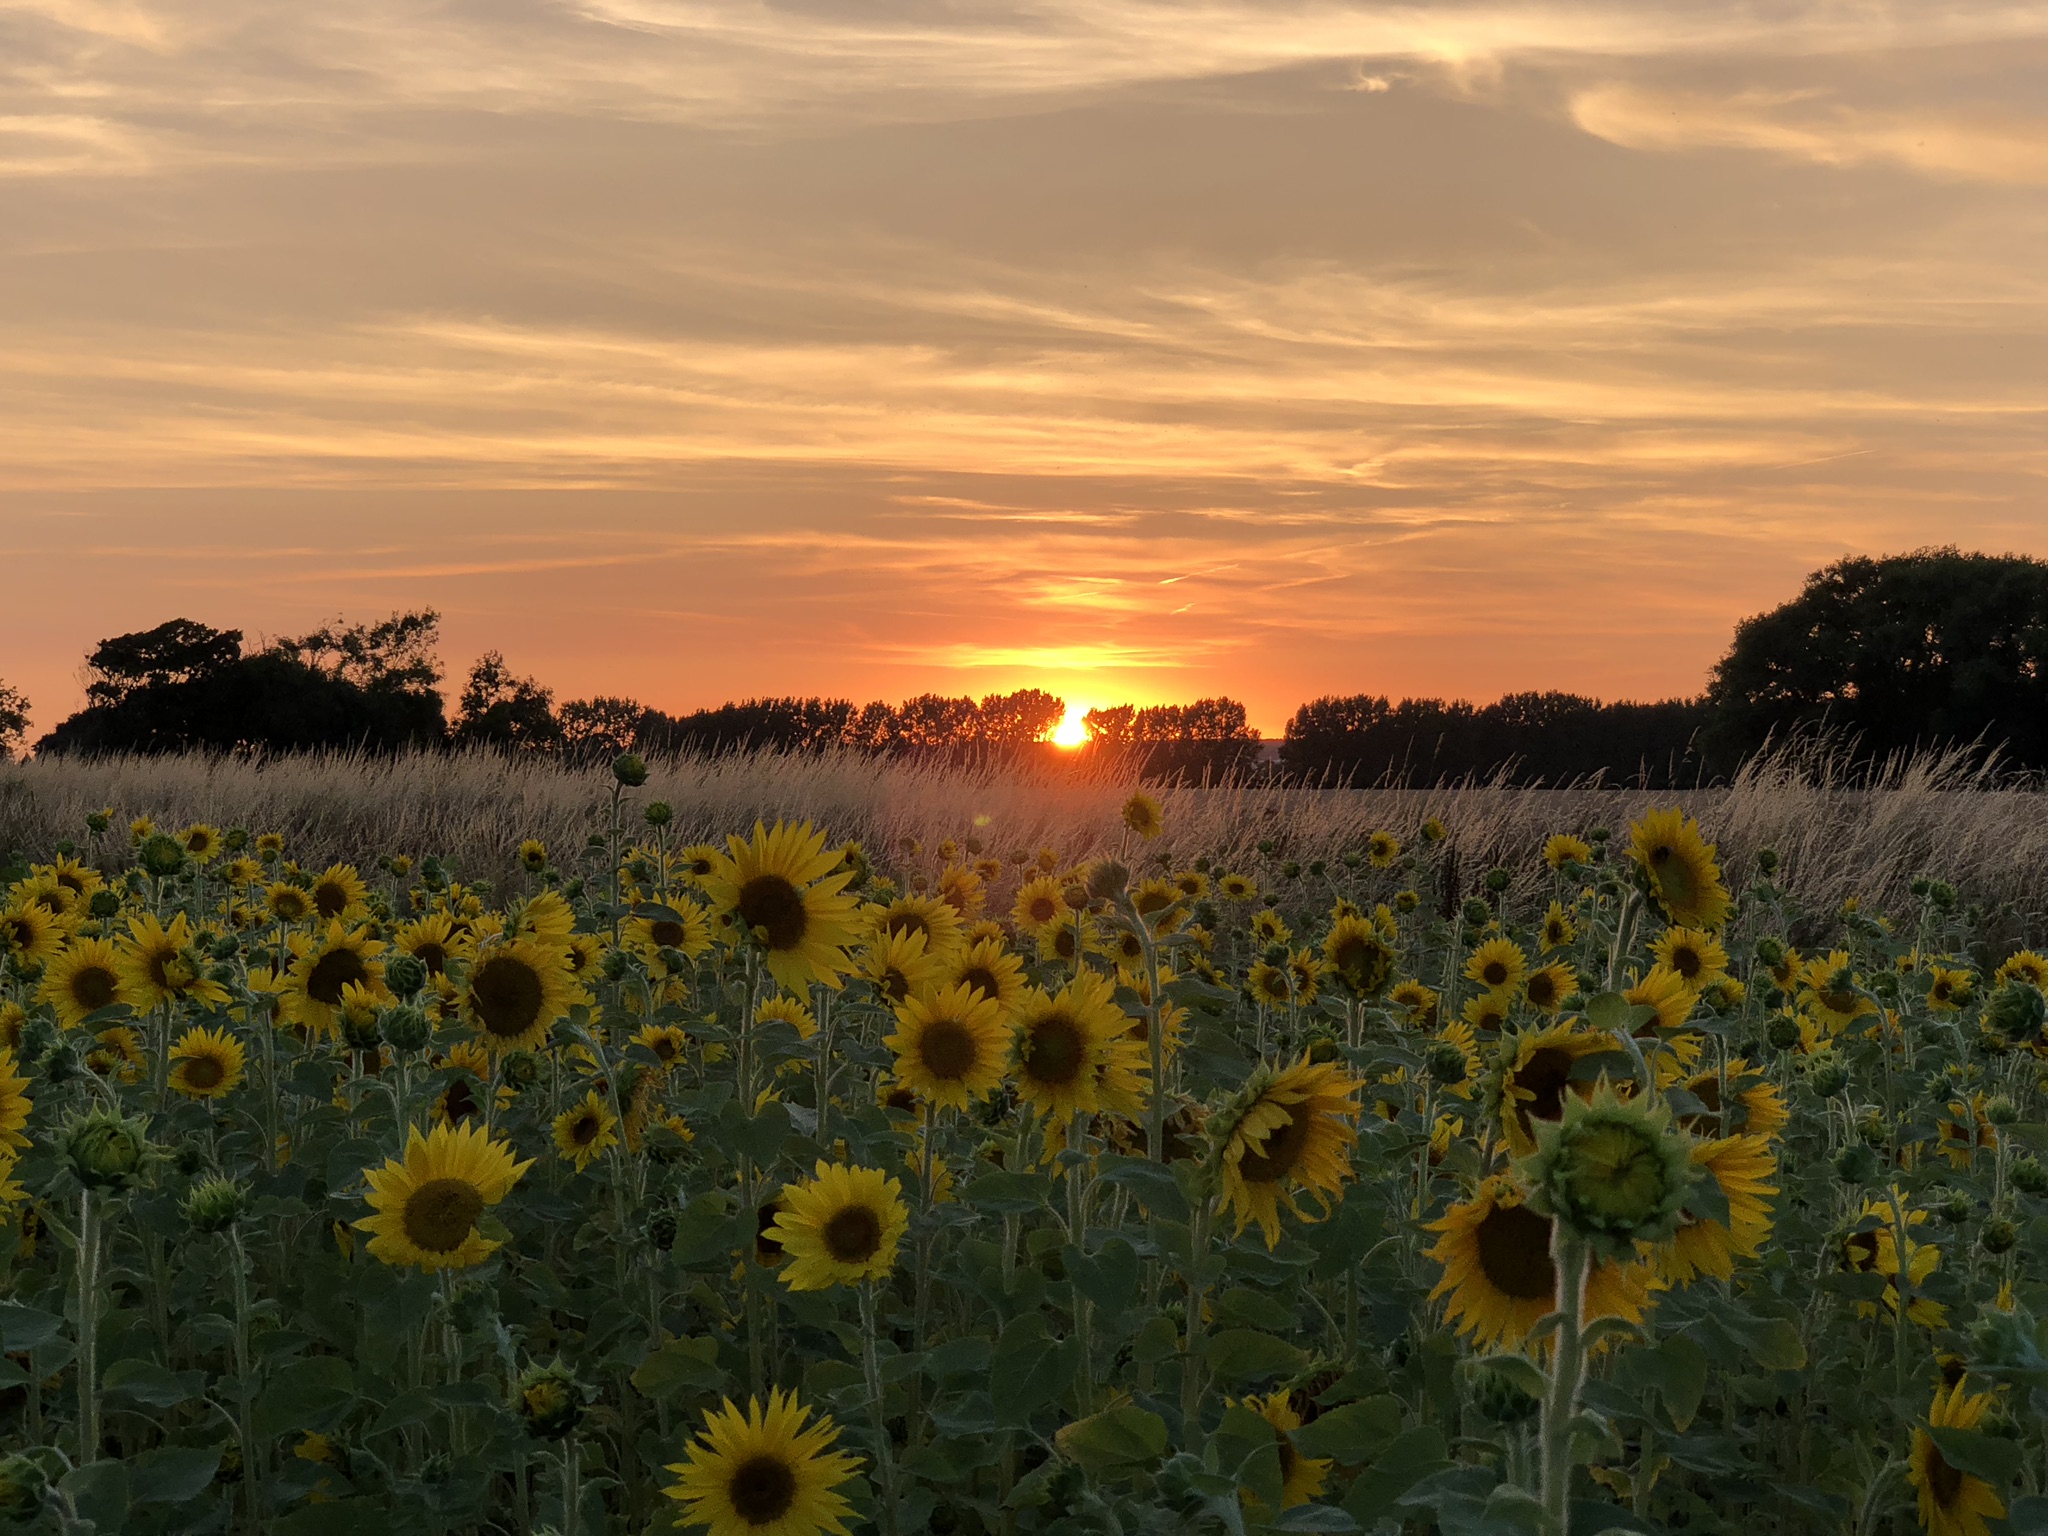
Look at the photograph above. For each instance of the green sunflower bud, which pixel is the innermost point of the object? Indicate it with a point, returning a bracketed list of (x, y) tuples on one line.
[(630, 769), (1612, 1171), (1767, 861), (520, 1070), (1476, 912), (1497, 880), (106, 1150), (1107, 880), (22, 1486), (615, 964), (2028, 1176), (215, 1205), (1447, 1063), (407, 1028), (1770, 951), (1782, 1033), (2015, 1012), (658, 813), (1999, 1235), (1857, 1164), (1827, 1074), (405, 974), (161, 856), (1497, 1395), (661, 1231), (549, 1401), (104, 904), (97, 822), (2002, 1111), (1957, 1208)]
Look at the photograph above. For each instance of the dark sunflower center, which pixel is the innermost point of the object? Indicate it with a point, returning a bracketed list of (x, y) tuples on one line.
[(1063, 944), (1042, 909), (1687, 962), (1859, 1252), (666, 1048), (948, 1049), (506, 994), (93, 987), (459, 1103), (1275, 1157), (441, 1213), (432, 955), (583, 1130), (1055, 1051), (1545, 1074), (667, 934), (159, 963), (762, 1489), (1514, 1253), (982, 979), (1495, 973), (1350, 954), (1943, 1480), (1838, 1001), (330, 898), (895, 984), (767, 1245), (852, 1234), (333, 971), (771, 903), (204, 1072), (1542, 989), (288, 904)]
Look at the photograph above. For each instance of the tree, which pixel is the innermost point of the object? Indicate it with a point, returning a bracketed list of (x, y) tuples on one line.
[(393, 669), (602, 727), (13, 720), (1932, 648), (499, 709), (1018, 719), (176, 651)]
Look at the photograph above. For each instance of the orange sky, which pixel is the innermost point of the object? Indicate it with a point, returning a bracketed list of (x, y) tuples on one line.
[(692, 348)]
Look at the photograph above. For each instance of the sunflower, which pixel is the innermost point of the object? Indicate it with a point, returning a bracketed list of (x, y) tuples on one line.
[(1382, 849), (1952, 1502), (1059, 1043), (32, 932), (1289, 1129), (1965, 1130), (784, 889), (949, 1045), (1041, 901), (763, 1473), (428, 1206), (1498, 965), (533, 855), (962, 890), (687, 933), (1949, 990), (1235, 887), (68, 874), (339, 892), (2024, 965), (288, 903), (987, 966), (323, 965), (1301, 1477), (666, 1043), (1079, 934), (1417, 1002), (434, 941), (840, 1227), (1488, 1011), (1874, 1250), (1666, 991), (549, 916), (1268, 927), (1827, 987), (1270, 984), (1548, 986), (157, 966), (897, 964), (1562, 848), (584, 1130), (1191, 885), (201, 842), (1358, 955), (783, 1009), (1143, 816), (13, 1020), (1696, 958), (517, 990), (1498, 1273), (85, 978), (1684, 879), (242, 872), (1742, 1166), (207, 1063), (1534, 1074), (1559, 931), (116, 1052), (14, 1104), (1753, 1104)]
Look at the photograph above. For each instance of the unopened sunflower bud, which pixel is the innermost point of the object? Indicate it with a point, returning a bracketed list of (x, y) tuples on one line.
[(520, 1070), (161, 856), (1497, 880), (405, 974), (1872, 1126), (550, 1401), (658, 813), (1956, 1208), (1999, 1235), (2015, 1011), (1770, 951), (1498, 1396), (1827, 1075), (1782, 1032), (1613, 1172), (104, 904), (215, 1205), (1322, 1048), (97, 822), (661, 1231), (22, 1487), (2001, 1111), (1108, 880), (1476, 912), (1447, 1063), (630, 769), (1767, 862), (361, 1028), (2028, 1176), (1857, 1164), (615, 964), (186, 1157), (105, 1150)]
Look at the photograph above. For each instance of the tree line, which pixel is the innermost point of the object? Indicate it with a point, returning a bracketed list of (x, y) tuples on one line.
[(1930, 649)]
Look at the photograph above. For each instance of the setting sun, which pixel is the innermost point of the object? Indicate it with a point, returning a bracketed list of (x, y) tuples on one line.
[(1072, 731)]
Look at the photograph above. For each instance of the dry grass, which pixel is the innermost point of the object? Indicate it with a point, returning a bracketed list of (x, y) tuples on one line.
[(1838, 833)]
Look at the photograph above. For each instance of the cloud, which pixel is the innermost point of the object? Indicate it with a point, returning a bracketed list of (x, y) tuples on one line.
[(1952, 145)]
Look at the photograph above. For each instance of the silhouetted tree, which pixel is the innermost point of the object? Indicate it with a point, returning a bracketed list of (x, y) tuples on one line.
[(602, 727), (394, 669), (499, 709), (1207, 736), (1931, 648), (13, 720), (178, 651), (1018, 719)]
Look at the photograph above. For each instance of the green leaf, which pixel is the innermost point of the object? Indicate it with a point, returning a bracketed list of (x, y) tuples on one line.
[(1153, 1183), (1116, 1437), (1248, 1448), (24, 1328), (1108, 1277), (1245, 1354), (99, 1491), (1967, 1450), (1352, 1433), (2028, 1516), (172, 1474), (679, 1367), (146, 1382), (1412, 1456), (1007, 1194), (1773, 1342), (1315, 1517), (1026, 1371), (309, 1394), (1680, 1372), (957, 1357)]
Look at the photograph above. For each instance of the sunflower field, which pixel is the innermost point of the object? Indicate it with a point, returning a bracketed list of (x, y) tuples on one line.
[(776, 1186)]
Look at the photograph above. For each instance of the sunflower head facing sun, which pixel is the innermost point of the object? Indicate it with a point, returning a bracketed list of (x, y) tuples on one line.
[(428, 1206), (765, 1472), (517, 991), (207, 1063), (1289, 1130), (840, 1227), (949, 1045), (784, 890), (1678, 865)]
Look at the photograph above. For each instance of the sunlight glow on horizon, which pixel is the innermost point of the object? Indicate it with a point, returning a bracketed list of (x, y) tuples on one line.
[(1072, 731)]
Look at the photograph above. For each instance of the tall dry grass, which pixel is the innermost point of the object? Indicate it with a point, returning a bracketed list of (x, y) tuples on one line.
[(1840, 831)]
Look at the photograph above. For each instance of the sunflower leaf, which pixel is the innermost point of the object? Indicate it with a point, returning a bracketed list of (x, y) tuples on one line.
[(1980, 1455)]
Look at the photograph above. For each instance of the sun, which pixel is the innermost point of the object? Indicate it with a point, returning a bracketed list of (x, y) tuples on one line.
[(1072, 731)]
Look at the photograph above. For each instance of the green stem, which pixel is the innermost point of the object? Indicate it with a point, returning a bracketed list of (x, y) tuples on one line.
[(245, 1384), (885, 1460), (88, 1328), (1561, 1401)]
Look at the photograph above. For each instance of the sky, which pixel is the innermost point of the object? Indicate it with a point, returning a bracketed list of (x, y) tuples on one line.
[(696, 349)]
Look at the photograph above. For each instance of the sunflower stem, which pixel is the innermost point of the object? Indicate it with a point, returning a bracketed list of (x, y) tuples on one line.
[(88, 1328), (885, 1460), (1571, 1259)]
